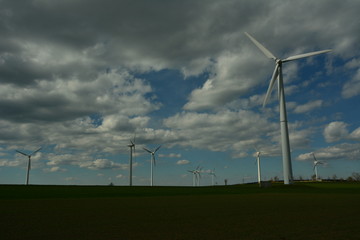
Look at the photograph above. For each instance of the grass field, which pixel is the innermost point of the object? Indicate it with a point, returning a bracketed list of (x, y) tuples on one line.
[(300, 211)]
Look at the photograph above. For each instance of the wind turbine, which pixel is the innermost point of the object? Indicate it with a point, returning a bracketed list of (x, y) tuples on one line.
[(152, 163), (29, 164), (258, 166), (213, 175), (131, 146), (198, 173), (316, 162), (196, 176), (277, 75)]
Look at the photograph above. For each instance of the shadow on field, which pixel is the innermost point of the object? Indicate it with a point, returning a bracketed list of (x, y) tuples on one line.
[(299, 211)]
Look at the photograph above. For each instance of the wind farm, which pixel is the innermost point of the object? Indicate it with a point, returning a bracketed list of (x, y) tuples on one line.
[(101, 85)]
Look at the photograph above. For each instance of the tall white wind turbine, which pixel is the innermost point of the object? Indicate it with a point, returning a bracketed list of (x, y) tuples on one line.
[(316, 163), (278, 76), (29, 164), (152, 163), (131, 146)]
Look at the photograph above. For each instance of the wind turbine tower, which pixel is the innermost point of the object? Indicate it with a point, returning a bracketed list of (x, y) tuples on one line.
[(152, 163), (131, 146), (278, 76), (198, 173), (258, 167), (194, 176), (213, 176), (29, 164)]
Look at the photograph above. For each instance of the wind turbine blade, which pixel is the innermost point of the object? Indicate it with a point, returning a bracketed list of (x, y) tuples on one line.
[(261, 47), (134, 152), (147, 150), (314, 157), (292, 58), (154, 159), (272, 83), (35, 152), (157, 149), (22, 153)]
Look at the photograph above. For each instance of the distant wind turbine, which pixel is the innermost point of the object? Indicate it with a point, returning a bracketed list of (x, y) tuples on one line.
[(316, 163), (258, 166), (213, 175), (196, 176), (29, 164), (131, 146), (277, 75), (152, 163)]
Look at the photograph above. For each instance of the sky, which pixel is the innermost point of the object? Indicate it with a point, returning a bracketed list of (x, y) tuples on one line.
[(80, 79)]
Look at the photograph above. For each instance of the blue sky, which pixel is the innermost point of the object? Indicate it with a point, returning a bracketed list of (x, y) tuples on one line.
[(82, 78)]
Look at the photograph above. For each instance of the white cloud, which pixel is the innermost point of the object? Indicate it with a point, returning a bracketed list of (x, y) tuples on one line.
[(171, 155), (355, 135), (344, 151), (309, 106), (183, 162), (352, 88), (231, 78), (54, 169), (335, 131)]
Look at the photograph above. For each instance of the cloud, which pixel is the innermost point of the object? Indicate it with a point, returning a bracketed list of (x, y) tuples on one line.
[(231, 78), (72, 76), (335, 131), (217, 131), (355, 135), (171, 155), (309, 106), (352, 88), (343, 151), (183, 162), (54, 169)]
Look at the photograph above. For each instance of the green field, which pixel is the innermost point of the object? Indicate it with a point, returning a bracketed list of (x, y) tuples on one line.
[(300, 211)]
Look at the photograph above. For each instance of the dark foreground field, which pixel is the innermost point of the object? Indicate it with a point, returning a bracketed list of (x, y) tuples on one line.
[(301, 211)]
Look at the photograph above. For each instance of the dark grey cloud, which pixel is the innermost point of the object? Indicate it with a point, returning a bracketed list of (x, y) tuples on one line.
[(54, 56)]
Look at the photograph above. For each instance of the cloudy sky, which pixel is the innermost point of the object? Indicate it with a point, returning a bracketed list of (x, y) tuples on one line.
[(81, 78)]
